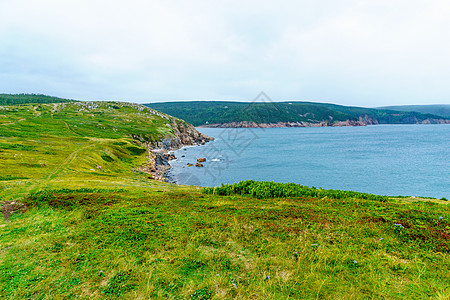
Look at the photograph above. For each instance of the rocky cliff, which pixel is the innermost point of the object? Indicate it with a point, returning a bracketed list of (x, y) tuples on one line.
[(246, 124), (363, 121), (160, 152)]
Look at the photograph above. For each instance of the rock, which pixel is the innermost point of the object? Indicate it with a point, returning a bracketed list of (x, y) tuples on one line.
[(171, 156), (11, 207), (199, 165), (189, 165), (201, 159)]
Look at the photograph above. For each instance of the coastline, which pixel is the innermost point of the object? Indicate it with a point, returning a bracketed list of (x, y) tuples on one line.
[(352, 123), (159, 153)]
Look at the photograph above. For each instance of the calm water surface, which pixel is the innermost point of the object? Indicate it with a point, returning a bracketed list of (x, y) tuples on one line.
[(409, 160)]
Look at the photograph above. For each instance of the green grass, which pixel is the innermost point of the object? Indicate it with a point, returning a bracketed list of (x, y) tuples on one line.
[(162, 241), (111, 233)]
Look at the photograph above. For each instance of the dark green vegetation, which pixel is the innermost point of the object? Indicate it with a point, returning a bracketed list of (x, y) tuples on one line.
[(217, 112), (8, 99), (442, 110), (94, 229), (265, 190)]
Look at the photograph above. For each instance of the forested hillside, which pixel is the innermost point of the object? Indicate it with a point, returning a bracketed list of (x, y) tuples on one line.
[(14, 99), (442, 110), (205, 113)]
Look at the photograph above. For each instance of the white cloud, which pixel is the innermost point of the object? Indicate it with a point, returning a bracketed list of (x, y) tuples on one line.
[(350, 52)]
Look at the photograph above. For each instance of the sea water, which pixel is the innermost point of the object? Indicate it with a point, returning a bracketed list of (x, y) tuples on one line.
[(408, 160)]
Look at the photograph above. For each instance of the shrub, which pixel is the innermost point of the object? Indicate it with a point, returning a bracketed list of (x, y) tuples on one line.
[(264, 190), (136, 151), (107, 158)]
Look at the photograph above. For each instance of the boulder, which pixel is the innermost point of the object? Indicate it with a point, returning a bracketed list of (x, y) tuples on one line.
[(201, 159)]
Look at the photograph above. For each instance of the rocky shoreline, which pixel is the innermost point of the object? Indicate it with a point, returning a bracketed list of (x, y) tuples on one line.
[(159, 153), (361, 122)]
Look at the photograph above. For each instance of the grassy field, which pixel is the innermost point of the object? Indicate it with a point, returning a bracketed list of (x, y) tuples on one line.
[(93, 228)]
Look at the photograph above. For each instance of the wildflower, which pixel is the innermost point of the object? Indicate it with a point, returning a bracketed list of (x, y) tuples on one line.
[(217, 275), (441, 217), (314, 244), (380, 239), (399, 225), (267, 277), (235, 286), (355, 262)]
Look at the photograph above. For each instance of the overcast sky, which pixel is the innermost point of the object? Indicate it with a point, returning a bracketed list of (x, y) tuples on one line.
[(361, 52)]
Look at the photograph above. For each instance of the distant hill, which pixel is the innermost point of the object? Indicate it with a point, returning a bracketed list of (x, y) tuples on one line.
[(15, 99), (286, 114), (442, 110)]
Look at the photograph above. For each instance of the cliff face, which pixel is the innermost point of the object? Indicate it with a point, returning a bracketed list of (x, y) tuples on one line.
[(159, 152), (184, 135), (246, 124), (434, 121)]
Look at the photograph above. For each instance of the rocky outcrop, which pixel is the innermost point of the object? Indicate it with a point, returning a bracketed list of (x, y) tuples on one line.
[(367, 120), (160, 152), (434, 121), (246, 124)]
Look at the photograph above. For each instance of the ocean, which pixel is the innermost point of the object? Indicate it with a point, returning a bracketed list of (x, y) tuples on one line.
[(406, 160)]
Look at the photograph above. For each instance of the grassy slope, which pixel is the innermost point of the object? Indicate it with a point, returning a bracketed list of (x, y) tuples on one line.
[(113, 233), (435, 109), (200, 112)]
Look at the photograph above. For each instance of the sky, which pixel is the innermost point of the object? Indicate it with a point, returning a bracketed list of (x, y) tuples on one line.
[(360, 53)]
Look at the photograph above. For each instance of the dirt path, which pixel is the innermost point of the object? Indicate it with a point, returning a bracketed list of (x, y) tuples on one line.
[(34, 185), (11, 123), (67, 161), (70, 128)]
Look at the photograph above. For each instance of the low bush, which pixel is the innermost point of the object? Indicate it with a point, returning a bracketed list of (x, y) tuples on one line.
[(264, 190)]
